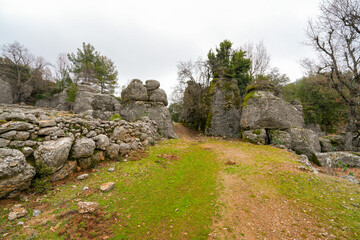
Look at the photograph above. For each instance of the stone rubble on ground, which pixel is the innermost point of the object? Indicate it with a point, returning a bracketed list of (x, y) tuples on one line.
[(87, 207), (17, 211), (106, 187)]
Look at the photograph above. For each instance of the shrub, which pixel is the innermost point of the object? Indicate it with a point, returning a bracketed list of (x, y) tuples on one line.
[(71, 93), (115, 116)]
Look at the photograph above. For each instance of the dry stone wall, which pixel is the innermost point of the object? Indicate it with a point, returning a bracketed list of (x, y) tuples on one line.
[(34, 141)]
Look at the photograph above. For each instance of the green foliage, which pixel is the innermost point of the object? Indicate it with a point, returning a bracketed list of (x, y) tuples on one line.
[(41, 182), (321, 103), (175, 111), (89, 66), (71, 93), (115, 116), (230, 64)]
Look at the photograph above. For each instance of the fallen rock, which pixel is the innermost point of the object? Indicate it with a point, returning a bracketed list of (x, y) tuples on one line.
[(87, 207), (111, 169), (304, 141), (17, 211), (36, 212), (351, 178), (338, 159), (68, 168), (106, 187), (83, 176)]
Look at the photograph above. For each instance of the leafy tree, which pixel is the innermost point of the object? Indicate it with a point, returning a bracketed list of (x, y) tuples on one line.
[(228, 63), (62, 79), (321, 103), (91, 67), (335, 36)]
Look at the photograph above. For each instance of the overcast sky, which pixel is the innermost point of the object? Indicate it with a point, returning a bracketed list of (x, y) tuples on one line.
[(146, 39)]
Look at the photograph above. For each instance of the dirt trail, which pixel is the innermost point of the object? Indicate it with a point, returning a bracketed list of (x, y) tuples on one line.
[(248, 213)]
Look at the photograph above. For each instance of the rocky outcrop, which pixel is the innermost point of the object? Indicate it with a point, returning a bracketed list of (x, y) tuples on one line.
[(224, 114), (338, 159), (15, 173), (304, 141), (5, 92), (140, 100), (263, 109), (61, 143)]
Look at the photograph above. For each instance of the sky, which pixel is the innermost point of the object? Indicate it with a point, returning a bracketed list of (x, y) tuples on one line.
[(147, 39)]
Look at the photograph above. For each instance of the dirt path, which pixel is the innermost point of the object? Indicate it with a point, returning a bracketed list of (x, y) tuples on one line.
[(248, 209)]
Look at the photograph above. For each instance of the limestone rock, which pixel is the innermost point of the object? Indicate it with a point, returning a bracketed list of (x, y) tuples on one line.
[(98, 156), (257, 136), (351, 178), (68, 168), (316, 128), (106, 187), (158, 95), (83, 176), (87, 207), (83, 147), (265, 110), (338, 159), (278, 138), (152, 85), (19, 116), (119, 133), (337, 142), (18, 126), (112, 151), (5, 92), (124, 148), (53, 153), (84, 163), (27, 151), (305, 160), (4, 143), (223, 119), (135, 91), (51, 131), (47, 123), (326, 145), (304, 141), (15, 173), (17, 211)]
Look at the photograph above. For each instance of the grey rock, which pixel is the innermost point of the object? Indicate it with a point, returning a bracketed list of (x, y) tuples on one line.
[(265, 110), (257, 136), (223, 119), (338, 159), (15, 173), (351, 178), (27, 151), (278, 138), (106, 187), (135, 91), (36, 212), (152, 85), (158, 95), (5, 92), (112, 151), (18, 126), (9, 135), (22, 136), (337, 142), (111, 169), (4, 143), (68, 168), (316, 128), (53, 153), (124, 148), (17, 211), (119, 133), (83, 176), (51, 131), (83, 147), (97, 157), (47, 123), (326, 145), (304, 141), (87, 207), (19, 116), (305, 160), (85, 188), (102, 141)]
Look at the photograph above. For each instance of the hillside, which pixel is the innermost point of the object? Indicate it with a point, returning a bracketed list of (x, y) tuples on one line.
[(194, 188)]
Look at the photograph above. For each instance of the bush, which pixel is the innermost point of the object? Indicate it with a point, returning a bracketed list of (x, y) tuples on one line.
[(115, 116)]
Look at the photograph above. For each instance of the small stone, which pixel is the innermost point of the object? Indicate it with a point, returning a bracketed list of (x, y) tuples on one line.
[(87, 207), (85, 188), (111, 169), (17, 211), (20, 223), (83, 176), (106, 187), (36, 213)]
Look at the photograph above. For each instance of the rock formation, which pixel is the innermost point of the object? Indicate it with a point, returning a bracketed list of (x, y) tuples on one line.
[(224, 114), (138, 100), (5, 92)]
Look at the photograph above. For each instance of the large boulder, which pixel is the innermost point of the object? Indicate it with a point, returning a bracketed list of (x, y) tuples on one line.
[(158, 95), (304, 141), (157, 112), (262, 109), (257, 136), (15, 173), (135, 91), (83, 147), (5, 92), (338, 159), (53, 154), (279, 138), (152, 85), (224, 114)]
